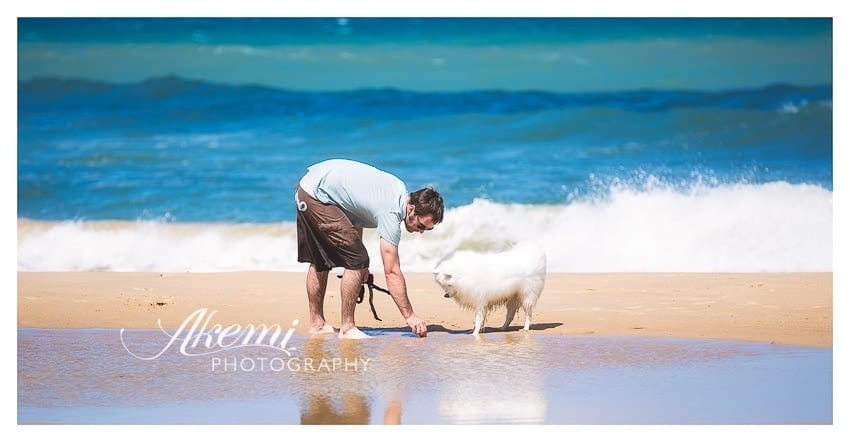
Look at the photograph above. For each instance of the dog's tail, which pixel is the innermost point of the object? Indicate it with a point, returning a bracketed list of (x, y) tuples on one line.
[(533, 285), (534, 250)]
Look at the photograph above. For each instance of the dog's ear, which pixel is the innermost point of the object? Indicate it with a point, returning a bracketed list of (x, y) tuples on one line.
[(442, 278)]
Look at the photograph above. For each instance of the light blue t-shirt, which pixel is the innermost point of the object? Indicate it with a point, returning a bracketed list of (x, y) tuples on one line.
[(369, 197)]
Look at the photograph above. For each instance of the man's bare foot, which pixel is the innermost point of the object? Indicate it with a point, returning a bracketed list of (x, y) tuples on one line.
[(353, 333), (324, 329)]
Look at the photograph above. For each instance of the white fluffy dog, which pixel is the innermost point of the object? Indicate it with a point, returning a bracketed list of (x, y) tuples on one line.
[(483, 281)]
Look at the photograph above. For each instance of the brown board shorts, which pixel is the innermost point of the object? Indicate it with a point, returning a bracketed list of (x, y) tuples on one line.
[(326, 237)]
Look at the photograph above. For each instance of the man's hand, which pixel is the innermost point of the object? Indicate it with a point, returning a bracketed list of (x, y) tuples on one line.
[(417, 325)]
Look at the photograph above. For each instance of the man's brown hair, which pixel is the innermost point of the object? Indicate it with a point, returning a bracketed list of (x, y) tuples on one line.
[(427, 201)]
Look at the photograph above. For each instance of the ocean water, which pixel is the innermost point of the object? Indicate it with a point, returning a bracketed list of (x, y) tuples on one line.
[(622, 144)]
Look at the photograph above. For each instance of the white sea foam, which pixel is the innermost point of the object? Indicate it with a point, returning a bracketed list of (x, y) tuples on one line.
[(154, 246), (705, 228)]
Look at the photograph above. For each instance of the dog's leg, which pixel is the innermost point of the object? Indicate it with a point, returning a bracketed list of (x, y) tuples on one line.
[(512, 306), (527, 309), (479, 320)]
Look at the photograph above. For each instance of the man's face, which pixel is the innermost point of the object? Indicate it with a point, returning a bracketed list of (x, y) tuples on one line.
[(414, 223)]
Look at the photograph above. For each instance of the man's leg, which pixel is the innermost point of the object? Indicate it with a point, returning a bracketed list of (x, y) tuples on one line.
[(317, 282), (349, 288)]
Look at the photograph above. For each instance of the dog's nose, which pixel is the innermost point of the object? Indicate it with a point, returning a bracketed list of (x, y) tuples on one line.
[(447, 295)]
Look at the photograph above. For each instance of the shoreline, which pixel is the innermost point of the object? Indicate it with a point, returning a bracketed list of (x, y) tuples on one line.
[(780, 308)]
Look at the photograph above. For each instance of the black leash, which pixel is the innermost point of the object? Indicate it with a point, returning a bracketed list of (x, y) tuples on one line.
[(370, 283)]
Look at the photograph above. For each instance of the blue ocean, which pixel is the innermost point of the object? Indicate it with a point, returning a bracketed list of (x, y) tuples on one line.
[(155, 144)]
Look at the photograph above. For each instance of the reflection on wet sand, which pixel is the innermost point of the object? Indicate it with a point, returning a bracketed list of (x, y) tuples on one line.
[(333, 397), (321, 410), (85, 376), (493, 379), (342, 397)]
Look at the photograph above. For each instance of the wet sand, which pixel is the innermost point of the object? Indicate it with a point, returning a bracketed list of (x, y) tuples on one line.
[(781, 308), (501, 378)]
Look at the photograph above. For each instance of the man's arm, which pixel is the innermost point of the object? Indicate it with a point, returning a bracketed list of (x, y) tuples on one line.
[(398, 288)]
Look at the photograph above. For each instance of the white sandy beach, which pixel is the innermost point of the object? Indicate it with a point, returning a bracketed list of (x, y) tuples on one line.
[(783, 308)]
